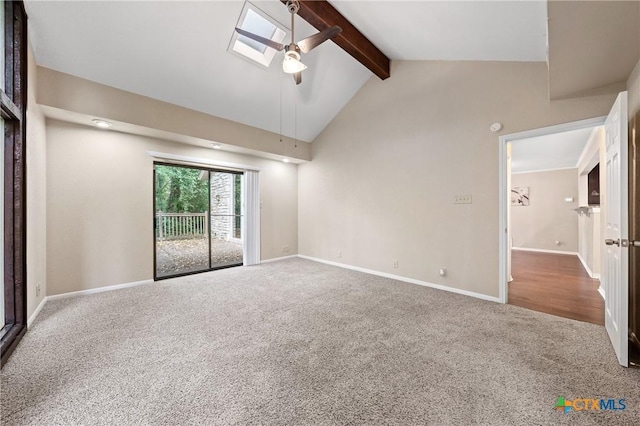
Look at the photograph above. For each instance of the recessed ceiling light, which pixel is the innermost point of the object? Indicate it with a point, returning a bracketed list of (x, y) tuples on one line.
[(101, 123), (216, 146), (286, 160)]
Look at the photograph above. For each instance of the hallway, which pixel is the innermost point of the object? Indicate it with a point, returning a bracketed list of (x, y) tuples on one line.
[(556, 284)]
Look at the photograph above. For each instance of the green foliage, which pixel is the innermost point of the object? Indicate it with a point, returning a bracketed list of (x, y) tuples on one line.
[(237, 187), (178, 190)]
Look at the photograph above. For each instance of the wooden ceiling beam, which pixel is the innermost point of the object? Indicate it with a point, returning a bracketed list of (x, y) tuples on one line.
[(322, 15)]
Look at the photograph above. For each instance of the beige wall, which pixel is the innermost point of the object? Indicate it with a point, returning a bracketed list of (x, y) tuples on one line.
[(36, 195), (590, 239), (74, 95), (548, 218), (100, 206), (592, 45), (385, 171), (633, 87), (591, 222)]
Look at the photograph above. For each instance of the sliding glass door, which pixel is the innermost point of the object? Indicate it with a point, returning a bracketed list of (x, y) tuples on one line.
[(197, 220), (226, 219)]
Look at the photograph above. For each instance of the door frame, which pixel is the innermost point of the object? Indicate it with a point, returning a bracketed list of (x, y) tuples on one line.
[(13, 109), (209, 170), (503, 199)]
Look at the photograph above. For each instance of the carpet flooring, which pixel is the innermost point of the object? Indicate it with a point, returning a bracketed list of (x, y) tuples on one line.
[(297, 342)]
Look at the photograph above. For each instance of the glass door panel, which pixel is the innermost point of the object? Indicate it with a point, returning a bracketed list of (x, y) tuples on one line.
[(226, 219), (181, 220)]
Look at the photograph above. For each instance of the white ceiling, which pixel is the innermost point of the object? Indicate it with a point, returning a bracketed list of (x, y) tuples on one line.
[(176, 51), (557, 151), (453, 30)]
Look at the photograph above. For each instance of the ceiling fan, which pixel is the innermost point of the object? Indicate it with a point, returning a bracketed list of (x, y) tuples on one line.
[(292, 63)]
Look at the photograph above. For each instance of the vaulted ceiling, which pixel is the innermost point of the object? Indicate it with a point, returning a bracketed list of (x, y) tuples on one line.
[(176, 51)]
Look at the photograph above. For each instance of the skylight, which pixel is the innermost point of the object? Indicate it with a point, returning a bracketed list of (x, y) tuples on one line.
[(256, 21)]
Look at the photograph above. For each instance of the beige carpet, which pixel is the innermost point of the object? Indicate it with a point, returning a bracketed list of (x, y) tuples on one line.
[(297, 342)]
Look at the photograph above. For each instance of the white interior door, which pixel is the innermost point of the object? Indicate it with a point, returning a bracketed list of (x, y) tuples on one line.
[(615, 273)]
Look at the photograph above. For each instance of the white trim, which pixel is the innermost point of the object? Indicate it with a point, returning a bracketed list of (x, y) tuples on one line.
[(37, 311), (544, 170), (503, 245), (202, 161), (277, 259), (404, 279), (572, 253), (558, 128), (98, 290), (587, 148), (586, 268), (601, 291)]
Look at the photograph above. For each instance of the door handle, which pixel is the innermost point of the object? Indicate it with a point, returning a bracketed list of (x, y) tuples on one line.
[(611, 242)]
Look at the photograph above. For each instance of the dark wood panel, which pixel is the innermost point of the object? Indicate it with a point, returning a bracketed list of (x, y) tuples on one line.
[(593, 186), (322, 15), (556, 284), (14, 102)]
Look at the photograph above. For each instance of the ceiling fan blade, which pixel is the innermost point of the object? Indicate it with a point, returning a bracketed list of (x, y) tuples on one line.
[(317, 39), (297, 77), (267, 42)]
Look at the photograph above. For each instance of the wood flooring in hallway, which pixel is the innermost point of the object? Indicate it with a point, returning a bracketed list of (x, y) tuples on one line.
[(556, 284)]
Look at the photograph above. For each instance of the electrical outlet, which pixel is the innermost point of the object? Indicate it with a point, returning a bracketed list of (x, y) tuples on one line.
[(395, 263), (462, 199), (285, 249), (339, 253)]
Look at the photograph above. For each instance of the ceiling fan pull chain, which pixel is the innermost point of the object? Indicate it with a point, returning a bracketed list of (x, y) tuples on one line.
[(281, 72)]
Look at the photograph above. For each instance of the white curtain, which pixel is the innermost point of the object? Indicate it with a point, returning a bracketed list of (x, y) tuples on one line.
[(251, 217)]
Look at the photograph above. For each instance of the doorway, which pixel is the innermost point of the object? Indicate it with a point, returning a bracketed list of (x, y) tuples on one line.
[(615, 232), (554, 245), (555, 222), (198, 219)]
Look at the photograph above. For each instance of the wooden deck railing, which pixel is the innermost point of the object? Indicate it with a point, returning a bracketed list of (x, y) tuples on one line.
[(173, 226)]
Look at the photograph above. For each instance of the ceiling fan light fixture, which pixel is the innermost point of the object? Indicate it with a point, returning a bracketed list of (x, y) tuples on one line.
[(292, 64)]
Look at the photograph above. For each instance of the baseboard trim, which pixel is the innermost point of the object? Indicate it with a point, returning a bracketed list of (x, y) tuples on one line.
[(601, 291), (586, 268), (573, 253), (277, 259), (403, 279), (37, 311), (98, 290)]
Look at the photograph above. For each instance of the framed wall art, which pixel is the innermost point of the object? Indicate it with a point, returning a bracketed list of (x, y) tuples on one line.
[(520, 196)]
